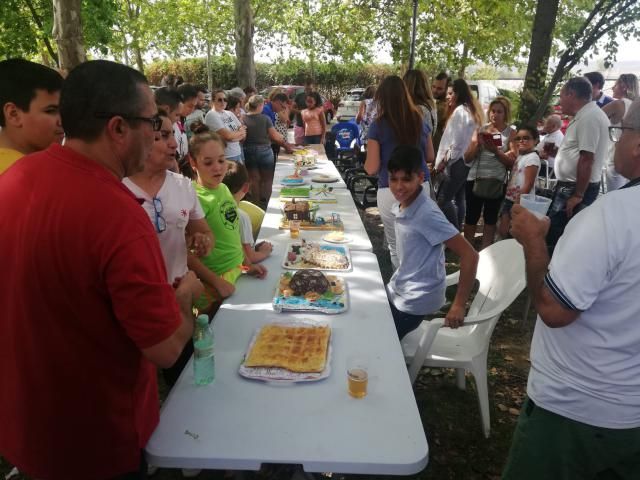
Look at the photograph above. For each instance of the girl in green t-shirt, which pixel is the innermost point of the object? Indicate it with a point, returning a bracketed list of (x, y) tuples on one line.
[(219, 270)]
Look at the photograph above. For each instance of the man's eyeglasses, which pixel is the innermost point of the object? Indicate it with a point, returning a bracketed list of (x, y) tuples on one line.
[(155, 121), (616, 132), (221, 100), (523, 139), (161, 224)]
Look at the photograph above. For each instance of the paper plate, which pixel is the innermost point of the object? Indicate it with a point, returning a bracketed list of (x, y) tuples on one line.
[(345, 238), (324, 179)]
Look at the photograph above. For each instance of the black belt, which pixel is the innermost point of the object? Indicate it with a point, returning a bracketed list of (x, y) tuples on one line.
[(572, 184)]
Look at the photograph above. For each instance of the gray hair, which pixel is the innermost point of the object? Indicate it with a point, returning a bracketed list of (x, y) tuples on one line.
[(254, 103), (632, 118), (237, 92), (555, 120), (581, 87)]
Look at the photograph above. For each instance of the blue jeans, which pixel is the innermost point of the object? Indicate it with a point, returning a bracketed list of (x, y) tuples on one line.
[(258, 157), (451, 192), (557, 211), (405, 322)]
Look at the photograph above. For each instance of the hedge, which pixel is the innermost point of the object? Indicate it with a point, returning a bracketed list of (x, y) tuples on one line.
[(332, 78)]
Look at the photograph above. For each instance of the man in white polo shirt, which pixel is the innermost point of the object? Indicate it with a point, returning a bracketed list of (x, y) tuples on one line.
[(579, 161), (581, 419)]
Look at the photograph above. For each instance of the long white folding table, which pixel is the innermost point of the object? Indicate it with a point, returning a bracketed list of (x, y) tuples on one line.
[(236, 423), (344, 206)]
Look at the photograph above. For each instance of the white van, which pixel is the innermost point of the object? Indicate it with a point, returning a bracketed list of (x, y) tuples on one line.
[(349, 105), (484, 91)]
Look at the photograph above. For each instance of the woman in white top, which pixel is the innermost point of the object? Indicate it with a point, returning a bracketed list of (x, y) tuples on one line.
[(227, 125), (464, 118), (171, 204), (625, 91)]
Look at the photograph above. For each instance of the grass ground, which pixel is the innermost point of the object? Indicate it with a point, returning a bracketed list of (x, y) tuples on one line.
[(451, 417)]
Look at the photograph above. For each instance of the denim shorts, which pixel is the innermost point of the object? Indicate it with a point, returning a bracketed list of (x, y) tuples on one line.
[(312, 139), (258, 157)]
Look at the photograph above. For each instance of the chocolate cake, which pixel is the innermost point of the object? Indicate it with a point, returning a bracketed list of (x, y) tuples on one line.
[(297, 210), (304, 281)]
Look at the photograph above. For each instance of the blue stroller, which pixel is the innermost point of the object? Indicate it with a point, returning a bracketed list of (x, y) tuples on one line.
[(347, 143)]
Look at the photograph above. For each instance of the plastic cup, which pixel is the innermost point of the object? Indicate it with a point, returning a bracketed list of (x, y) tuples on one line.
[(294, 228), (535, 204), (357, 376)]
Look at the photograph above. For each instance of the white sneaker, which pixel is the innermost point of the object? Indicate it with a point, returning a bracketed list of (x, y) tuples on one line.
[(190, 472)]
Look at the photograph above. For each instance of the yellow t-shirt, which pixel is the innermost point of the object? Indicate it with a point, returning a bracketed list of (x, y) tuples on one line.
[(8, 157)]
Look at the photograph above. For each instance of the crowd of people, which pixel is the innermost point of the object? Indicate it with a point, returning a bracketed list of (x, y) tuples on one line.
[(112, 238)]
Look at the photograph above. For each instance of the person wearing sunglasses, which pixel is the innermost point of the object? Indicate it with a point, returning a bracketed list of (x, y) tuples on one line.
[(227, 125), (86, 312), (523, 174), (171, 204), (581, 416)]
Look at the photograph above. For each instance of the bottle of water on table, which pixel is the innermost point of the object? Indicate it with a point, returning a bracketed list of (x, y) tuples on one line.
[(203, 354)]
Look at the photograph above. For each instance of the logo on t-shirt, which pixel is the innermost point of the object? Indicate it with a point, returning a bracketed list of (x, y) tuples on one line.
[(229, 214), (183, 212)]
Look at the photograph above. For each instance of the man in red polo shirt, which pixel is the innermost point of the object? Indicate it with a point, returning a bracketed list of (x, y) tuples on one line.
[(85, 310)]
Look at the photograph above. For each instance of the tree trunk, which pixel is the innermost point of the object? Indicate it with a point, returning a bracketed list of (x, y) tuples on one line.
[(67, 30), (209, 72), (45, 38), (464, 59), (536, 76), (245, 65), (138, 54)]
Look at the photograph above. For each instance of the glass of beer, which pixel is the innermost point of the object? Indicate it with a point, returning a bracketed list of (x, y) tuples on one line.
[(294, 228), (357, 376), (550, 149)]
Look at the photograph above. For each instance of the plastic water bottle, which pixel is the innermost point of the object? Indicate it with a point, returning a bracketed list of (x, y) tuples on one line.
[(203, 354)]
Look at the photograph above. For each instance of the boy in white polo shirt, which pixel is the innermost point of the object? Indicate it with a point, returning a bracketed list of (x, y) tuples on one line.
[(418, 285)]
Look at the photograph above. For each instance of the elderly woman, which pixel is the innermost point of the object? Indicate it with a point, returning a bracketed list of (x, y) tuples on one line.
[(227, 125), (259, 158), (491, 156), (625, 91)]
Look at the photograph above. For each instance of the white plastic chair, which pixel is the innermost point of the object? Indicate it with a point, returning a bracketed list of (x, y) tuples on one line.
[(501, 273)]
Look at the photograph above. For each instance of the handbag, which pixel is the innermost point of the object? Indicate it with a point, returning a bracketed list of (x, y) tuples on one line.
[(488, 188)]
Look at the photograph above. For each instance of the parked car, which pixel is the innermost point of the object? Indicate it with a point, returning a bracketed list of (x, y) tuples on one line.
[(292, 92), (484, 91), (349, 105)]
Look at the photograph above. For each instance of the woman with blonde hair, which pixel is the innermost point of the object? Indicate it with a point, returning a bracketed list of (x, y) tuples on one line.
[(399, 122), (465, 116), (490, 156), (625, 91)]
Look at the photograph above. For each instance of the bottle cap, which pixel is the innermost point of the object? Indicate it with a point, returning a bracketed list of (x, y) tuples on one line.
[(202, 320)]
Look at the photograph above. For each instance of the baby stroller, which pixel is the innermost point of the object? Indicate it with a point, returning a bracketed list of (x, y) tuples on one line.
[(347, 143)]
